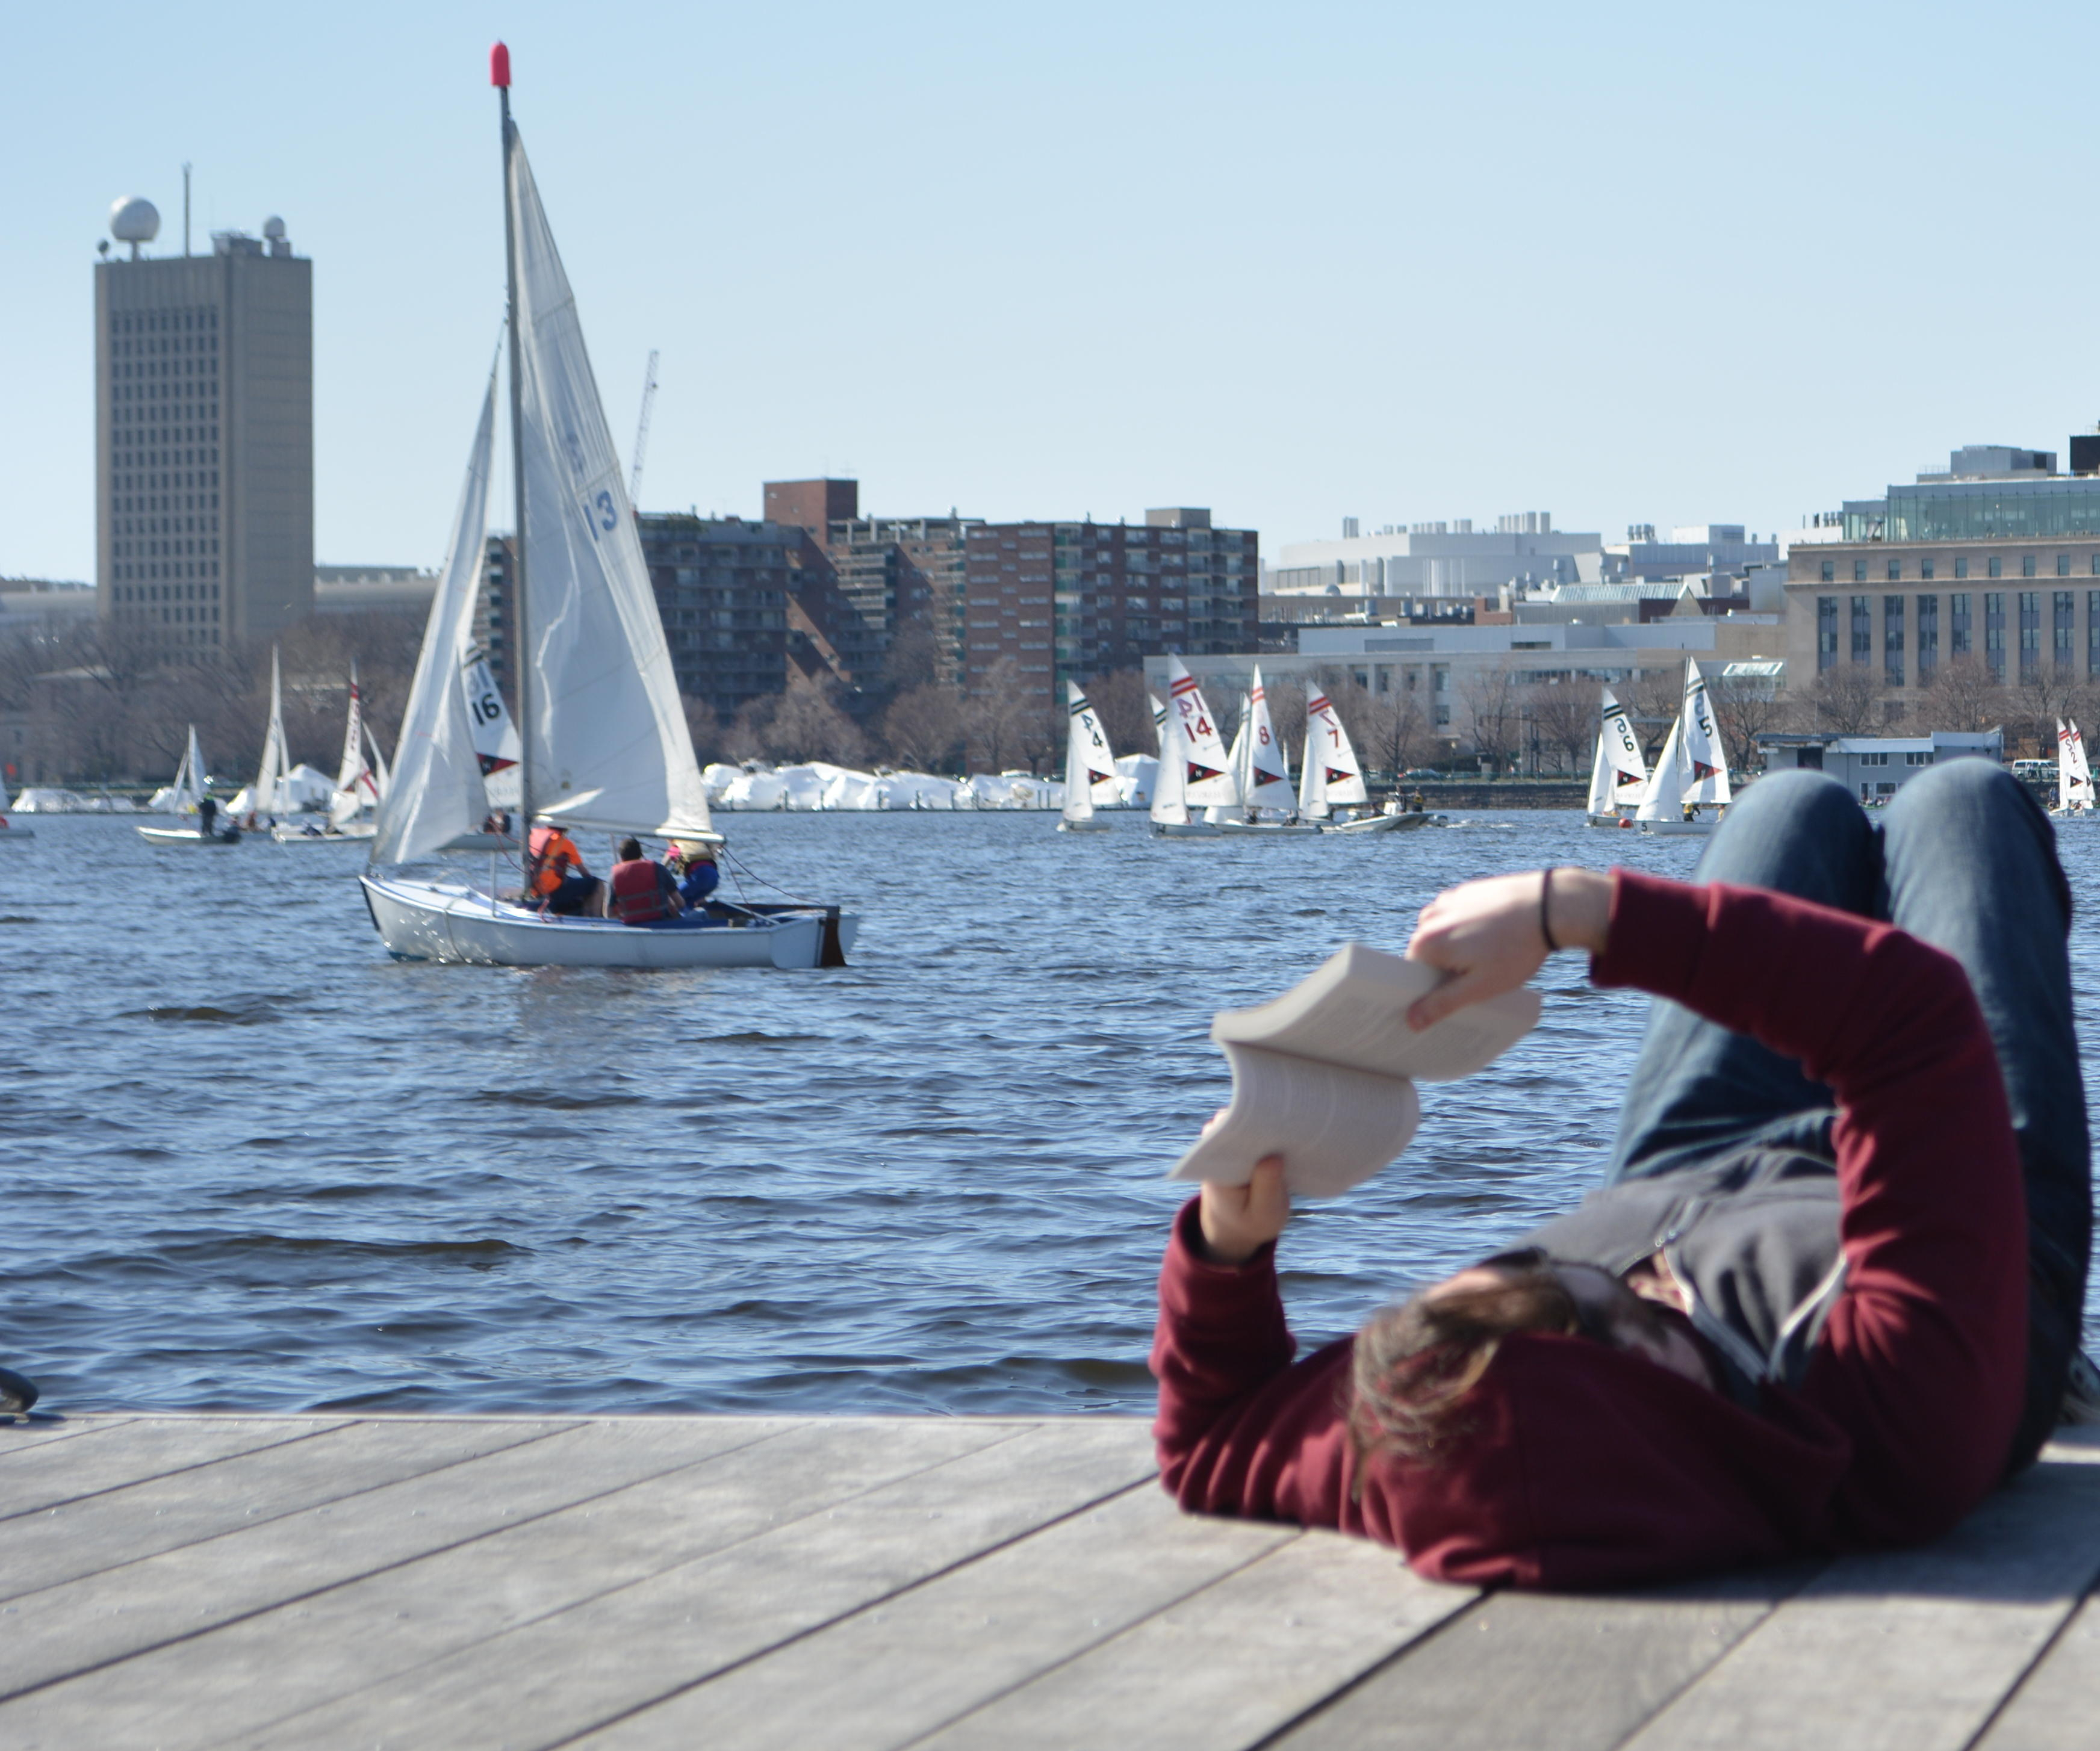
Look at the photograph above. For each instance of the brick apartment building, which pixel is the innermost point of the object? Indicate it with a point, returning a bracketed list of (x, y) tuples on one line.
[(1082, 599)]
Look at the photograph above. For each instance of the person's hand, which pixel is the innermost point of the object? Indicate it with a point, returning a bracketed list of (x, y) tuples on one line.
[(1491, 935), (1239, 1220)]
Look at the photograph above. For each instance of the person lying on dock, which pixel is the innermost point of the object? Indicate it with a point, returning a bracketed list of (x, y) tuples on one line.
[(558, 880), (642, 892), (1830, 1291)]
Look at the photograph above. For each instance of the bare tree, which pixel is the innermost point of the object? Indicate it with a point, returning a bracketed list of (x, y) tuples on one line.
[(1965, 695), (1565, 714), (807, 725), (1652, 699), (1396, 729), (1125, 709), (1847, 699), (1006, 723), (2041, 698), (1745, 709), (923, 728), (1494, 703), (913, 659)]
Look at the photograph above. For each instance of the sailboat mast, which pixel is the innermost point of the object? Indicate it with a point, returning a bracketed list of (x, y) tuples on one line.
[(499, 74)]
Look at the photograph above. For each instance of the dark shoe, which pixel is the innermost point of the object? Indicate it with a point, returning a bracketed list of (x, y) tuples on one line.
[(2081, 1391)]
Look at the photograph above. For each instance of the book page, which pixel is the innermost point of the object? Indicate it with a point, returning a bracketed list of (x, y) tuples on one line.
[(1352, 1011), (1334, 1126)]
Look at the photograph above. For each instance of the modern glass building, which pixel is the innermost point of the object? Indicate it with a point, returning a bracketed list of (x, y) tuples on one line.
[(1990, 492)]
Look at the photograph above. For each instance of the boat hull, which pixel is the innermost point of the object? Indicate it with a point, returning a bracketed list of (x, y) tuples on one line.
[(1609, 820), (1270, 829), (1679, 829), (453, 922), (1186, 830), (292, 836), (481, 842), (18, 832), (1382, 824), (188, 836), (1083, 826)]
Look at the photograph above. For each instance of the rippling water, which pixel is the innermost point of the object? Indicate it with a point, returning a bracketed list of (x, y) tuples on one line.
[(252, 1162)]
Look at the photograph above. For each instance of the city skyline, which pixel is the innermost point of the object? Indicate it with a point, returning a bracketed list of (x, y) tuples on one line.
[(1350, 263)]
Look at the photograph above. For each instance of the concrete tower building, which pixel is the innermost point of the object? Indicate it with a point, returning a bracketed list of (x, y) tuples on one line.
[(204, 435)]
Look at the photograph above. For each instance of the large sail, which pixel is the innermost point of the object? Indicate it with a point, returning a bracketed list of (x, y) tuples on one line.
[(1266, 782), (495, 735), (436, 791), (188, 791), (2082, 773), (1169, 805), (1332, 774), (356, 785), (1618, 777), (1087, 760), (1236, 761), (606, 732), (1664, 799), (1206, 768), (1706, 764), (268, 797)]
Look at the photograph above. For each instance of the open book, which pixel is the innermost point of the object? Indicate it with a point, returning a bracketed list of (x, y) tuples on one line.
[(1324, 1074)]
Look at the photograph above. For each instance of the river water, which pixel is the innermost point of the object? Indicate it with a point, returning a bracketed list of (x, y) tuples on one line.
[(251, 1162)]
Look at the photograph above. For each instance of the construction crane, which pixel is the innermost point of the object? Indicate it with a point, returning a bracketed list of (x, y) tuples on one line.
[(642, 430)]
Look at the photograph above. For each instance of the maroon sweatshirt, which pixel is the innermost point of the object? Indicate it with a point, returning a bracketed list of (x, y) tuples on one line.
[(1585, 1465)]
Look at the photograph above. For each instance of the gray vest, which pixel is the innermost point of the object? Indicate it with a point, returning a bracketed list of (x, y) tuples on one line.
[(1751, 1236)]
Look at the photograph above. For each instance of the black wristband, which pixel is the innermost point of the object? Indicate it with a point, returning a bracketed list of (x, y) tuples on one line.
[(1545, 901)]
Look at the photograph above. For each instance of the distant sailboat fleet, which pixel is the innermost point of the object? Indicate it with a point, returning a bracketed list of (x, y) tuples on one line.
[(1691, 773)]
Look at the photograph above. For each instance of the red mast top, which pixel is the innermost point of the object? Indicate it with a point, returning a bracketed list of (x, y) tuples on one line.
[(499, 66)]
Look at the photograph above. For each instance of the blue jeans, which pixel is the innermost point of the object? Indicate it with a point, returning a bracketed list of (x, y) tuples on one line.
[(1965, 859)]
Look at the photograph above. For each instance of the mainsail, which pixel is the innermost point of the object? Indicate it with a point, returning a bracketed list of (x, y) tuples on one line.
[(268, 796), (183, 797), (1206, 768), (1087, 760), (605, 735), (1331, 774), (1664, 799), (436, 792), (1266, 782), (1170, 806), (1619, 778), (1705, 777), (495, 735), (356, 784)]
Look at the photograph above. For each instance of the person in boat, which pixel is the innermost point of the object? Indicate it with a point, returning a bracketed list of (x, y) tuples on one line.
[(556, 880), (692, 862), (496, 821), (1829, 1293), (641, 890), (207, 814)]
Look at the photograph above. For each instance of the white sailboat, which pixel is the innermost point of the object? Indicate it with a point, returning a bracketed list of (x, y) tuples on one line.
[(182, 797), (1088, 763), (1194, 770), (359, 785), (1618, 777), (1332, 775), (2074, 778), (1263, 774), (1691, 771), (603, 743)]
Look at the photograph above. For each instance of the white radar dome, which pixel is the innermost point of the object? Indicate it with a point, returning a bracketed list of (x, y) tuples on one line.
[(134, 220), (273, 228)]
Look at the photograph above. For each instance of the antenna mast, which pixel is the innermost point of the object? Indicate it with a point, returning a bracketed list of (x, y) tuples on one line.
[(641, 431), (499, 76), (186, 209)]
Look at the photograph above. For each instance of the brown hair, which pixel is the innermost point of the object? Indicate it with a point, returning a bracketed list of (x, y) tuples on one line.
[(629, 850), (1416, 1362)]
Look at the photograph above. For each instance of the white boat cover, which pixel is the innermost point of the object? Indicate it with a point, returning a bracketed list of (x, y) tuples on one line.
[(437, 792), (608, 744)]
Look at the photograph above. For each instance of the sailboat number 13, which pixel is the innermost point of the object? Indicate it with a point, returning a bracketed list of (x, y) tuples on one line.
[(599, 513)]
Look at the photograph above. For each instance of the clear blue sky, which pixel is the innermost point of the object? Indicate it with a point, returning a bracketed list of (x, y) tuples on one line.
[(1622, 262)]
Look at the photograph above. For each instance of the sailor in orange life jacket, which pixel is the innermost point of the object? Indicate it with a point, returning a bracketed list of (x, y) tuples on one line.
[(642, 890), (558, 879)]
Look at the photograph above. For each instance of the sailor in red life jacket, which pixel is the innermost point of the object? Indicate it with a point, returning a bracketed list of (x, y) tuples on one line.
[(643, 891), (1829, 1294)]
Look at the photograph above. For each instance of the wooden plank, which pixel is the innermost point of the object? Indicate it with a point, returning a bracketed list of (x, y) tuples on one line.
[(1576, 1673), (1231, 1665), (23, 1435), (715, 1481), (887, 1674), (2057, 1709), (132, 1589), (561, 1675), (1912, 1650), (120, 1526), (68, 1471)]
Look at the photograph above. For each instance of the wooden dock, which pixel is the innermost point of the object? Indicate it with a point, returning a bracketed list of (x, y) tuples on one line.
[(731, 1582)]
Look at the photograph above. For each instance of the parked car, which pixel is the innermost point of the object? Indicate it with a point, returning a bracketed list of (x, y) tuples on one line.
[(1422, 772)]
